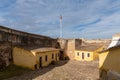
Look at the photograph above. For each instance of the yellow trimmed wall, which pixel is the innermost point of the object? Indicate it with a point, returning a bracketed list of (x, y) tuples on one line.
[(110, 60), (93, 54), (49, 57), (86, 58), (96, 53), (23, 58), (28, 59)]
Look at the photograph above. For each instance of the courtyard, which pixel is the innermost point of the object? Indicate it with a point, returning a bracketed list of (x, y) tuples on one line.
[(63, 70)]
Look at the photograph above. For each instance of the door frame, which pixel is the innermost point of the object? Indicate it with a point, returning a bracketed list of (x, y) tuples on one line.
[(83, 56), (40, 62)]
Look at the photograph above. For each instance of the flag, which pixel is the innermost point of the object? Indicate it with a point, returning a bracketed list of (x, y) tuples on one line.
[(60, 17)]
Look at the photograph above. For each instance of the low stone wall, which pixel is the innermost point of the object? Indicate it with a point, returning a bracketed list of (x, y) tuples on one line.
[(112, 75), (109, 75)]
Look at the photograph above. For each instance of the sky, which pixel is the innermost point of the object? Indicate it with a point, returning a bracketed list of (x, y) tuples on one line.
[(93, 19)]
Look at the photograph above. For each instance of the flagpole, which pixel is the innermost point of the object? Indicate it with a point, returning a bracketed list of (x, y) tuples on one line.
[(61, 31), (60, 26)]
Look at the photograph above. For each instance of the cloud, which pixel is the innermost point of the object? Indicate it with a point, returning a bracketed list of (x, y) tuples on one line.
[(81, 18), (6, 3), (2, 19)]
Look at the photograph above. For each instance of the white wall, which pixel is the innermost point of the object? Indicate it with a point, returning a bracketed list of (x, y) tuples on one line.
[(115, 42)]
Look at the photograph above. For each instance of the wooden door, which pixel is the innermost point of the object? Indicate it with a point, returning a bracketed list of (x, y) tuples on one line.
[(40, 62), (82, 55)]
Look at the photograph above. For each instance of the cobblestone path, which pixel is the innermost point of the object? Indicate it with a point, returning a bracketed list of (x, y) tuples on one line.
[(64, 70)]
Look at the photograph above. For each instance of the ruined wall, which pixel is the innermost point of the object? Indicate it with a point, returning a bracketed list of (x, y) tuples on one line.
[(72, 44), (97, 40), (10, 38), (78, 43)]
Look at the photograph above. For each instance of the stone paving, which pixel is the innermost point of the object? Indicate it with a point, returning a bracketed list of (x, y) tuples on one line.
[(64, 70)]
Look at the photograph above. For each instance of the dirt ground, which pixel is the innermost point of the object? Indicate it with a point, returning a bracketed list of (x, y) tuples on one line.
[(64, 70)]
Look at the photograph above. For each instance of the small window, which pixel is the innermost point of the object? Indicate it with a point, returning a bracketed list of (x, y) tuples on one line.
[(46, 58), (88, 54), (52, 56), (78, 54), (56, 57)]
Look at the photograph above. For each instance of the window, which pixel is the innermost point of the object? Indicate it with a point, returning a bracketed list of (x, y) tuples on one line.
[(46, 58), (35, 66), (77, 53), (56, 57), (52, 56), (88, 54)]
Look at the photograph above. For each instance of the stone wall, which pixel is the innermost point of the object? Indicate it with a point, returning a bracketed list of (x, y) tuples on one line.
[(96, 40), (72, 44), (10, 38)]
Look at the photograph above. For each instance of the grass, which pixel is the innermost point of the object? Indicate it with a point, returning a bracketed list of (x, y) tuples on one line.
[(13, 70)]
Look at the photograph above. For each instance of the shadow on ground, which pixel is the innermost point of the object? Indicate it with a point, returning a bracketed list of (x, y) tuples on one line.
[(33, 74)]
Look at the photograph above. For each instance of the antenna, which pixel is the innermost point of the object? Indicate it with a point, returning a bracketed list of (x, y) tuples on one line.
[(60, 26)]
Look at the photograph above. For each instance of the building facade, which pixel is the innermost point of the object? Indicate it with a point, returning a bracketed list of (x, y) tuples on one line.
[(87, 53), (34, 58), (109, 64), (109, 60)]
